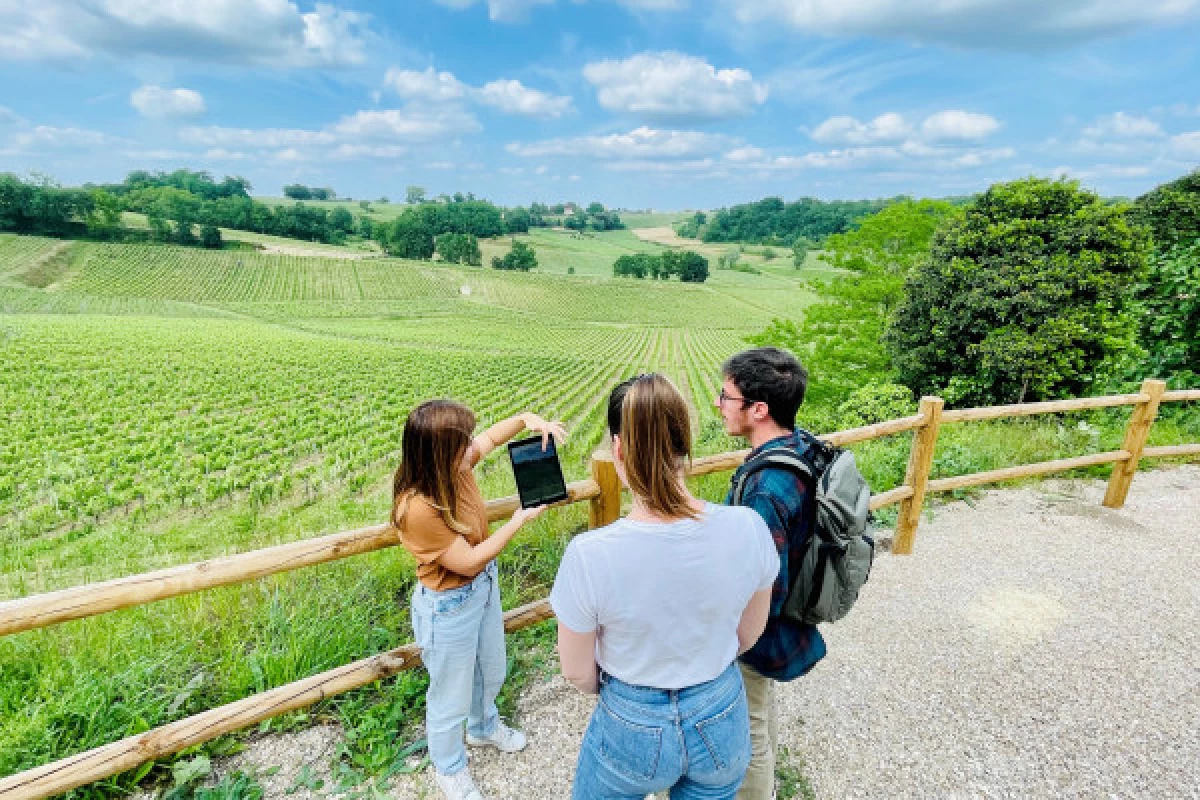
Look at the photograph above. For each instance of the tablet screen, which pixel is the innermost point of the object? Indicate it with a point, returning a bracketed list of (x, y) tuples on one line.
[(538, 472)]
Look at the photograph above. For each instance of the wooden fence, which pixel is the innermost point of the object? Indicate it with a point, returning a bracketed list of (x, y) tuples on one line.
[(603, 493)]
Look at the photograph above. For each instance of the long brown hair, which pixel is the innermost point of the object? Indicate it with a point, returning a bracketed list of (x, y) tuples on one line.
[(655, 426), (436, 436)]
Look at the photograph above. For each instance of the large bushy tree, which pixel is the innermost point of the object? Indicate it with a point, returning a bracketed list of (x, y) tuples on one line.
[(459, 248), (1024, 297), (521, 258)]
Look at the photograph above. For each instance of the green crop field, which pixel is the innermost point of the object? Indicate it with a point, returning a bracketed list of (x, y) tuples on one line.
[(163, 405)]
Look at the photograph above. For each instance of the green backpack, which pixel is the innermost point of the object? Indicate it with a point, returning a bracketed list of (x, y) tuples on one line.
[(836, 561)]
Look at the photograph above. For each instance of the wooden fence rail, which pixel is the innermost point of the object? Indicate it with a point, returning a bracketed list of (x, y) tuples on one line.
[(603, 493)]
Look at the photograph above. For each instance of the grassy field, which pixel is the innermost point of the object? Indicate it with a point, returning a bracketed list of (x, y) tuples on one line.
[(161, 405)]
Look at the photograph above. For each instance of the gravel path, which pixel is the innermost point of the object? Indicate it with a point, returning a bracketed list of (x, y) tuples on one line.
[(1035, 645)]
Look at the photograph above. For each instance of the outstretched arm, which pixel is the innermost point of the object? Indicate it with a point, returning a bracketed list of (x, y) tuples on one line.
[(503, 431)]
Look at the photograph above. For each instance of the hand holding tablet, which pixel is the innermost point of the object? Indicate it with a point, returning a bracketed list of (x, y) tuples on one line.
[(537, 470)]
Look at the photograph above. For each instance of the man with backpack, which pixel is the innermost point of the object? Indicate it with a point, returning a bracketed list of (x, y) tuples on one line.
[(783, 479)]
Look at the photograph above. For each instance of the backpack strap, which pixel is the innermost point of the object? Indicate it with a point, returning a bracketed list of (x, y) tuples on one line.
[(782, 457)]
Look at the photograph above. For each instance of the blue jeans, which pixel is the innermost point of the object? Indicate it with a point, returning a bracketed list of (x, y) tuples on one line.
[(461, 636), (695, 741)]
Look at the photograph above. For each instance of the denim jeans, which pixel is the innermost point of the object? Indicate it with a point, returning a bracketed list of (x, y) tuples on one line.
[(694, 741), (461, 636)]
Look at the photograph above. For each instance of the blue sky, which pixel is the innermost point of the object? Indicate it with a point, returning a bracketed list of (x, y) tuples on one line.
[(664, 104)]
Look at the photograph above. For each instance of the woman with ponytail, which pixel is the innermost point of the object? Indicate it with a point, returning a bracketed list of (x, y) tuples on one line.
[(652, 611), (441, 518)]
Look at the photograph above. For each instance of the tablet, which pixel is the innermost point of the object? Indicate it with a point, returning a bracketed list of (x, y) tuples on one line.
[(538, 472)]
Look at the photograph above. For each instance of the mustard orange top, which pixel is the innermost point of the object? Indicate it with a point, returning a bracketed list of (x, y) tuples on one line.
[(425, 534)]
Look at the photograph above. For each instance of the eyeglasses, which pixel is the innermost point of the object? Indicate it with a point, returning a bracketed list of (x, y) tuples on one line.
[(722, 398)]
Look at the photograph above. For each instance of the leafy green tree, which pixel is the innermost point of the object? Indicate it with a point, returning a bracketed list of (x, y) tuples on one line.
[(297, 191), (1169, 318), (636, 265), (1025, 297), (210, 237), (409, 235), (104, 221), (459, 248), (366, 226), (414, 195), (1172, 211), (691, 267), (521, 258), (516, 220), (800, 249), (342, 220)]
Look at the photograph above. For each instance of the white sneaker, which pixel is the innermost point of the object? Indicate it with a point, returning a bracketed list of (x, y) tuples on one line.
[(458, 786), (504, 739)]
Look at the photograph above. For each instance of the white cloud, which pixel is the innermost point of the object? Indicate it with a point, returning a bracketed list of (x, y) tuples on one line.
[(512, 97), (641, 142), (160, 103), (500, 10), (42, 139), (672, 85), (745, 154), (848, 130), (1187, 145), (407, 124), (519, 10), (427, 85), (990, 24), (264, 32), (509, 96), (959, 125), (1122, 125)]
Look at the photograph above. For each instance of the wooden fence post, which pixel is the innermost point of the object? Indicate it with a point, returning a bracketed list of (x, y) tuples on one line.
[(605, 507), (1135, 441), (920, 461)]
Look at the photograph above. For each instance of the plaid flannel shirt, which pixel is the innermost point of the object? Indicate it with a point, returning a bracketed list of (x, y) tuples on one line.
[(784, 651)]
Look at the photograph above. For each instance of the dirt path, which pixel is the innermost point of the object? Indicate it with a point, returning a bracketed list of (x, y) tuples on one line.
[(1036, 644)]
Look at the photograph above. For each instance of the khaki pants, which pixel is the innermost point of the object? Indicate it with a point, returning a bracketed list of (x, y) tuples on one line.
[(764, 735)]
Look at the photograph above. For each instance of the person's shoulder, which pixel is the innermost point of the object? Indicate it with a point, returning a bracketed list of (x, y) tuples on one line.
[(597, 537), (421, 510), (737, 516)]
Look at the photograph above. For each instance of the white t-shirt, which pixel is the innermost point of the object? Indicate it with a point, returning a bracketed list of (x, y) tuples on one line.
[(665, 599)]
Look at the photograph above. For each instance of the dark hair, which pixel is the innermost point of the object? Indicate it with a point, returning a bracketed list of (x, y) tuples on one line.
[(436, 436), (655, 426), (770, 375)]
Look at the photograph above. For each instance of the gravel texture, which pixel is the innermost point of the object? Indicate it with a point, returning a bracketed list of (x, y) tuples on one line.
[(1036, 644)]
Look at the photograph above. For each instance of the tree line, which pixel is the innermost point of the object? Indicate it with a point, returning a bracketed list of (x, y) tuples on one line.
[(775, 222), (689, 266), (298, 191)]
